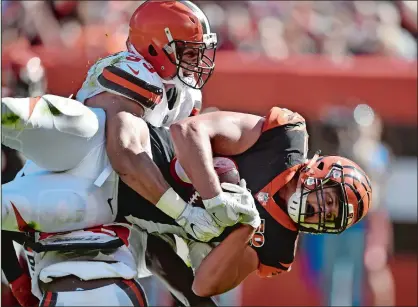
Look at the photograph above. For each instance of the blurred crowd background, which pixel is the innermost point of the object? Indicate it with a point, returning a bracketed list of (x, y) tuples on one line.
[(372, 264), (277, 29)]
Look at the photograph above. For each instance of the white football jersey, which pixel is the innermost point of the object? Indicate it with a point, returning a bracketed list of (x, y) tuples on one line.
[(135, 65), (126, 261), (187, 100)]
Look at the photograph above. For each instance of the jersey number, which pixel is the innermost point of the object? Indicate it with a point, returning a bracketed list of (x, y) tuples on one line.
[(258, 238)]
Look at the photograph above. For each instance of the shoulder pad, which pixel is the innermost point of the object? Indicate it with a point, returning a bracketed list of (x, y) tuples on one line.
[(130, 70), (139, 68), (119, 81), (279, 117)]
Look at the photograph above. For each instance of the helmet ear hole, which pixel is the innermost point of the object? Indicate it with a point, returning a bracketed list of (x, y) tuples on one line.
[(321, 166), (152, 51)]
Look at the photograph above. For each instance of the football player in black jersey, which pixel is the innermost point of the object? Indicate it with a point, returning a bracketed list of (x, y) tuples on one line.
[(326, 194), (289, 192)]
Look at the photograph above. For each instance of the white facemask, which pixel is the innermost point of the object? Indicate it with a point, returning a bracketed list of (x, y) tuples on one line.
[(295, 206)]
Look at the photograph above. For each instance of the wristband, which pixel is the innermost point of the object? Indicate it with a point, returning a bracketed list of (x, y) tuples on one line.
[(171, 204)]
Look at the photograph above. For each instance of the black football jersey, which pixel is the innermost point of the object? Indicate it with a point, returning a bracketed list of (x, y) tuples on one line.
[(267, 166)]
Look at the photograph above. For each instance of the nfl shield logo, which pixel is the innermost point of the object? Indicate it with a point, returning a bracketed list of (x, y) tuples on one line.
[(263, 197)]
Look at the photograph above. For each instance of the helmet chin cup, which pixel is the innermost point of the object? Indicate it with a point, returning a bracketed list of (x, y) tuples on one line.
[(297, 205)]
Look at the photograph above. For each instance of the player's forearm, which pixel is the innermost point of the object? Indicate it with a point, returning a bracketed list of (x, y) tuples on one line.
[(129, 153), (194, 152), (227, 265), (142, 175)]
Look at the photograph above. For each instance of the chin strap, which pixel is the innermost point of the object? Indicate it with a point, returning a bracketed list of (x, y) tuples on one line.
[(314, 159)]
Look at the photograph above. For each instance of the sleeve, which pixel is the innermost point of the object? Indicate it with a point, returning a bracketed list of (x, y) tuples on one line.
[(266, 271), (117, 80), (276, 249), (279, 117), (126, 75)]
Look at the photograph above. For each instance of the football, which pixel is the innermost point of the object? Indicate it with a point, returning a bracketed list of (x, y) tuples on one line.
[(225, 168), (227, 172)]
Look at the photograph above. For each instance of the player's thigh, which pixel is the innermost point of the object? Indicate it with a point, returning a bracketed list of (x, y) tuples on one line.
[(53, 202), (71, 291), (59, 140)]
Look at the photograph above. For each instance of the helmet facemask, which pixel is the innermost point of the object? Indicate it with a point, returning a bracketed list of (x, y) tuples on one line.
[(195, 61), (321, 205)]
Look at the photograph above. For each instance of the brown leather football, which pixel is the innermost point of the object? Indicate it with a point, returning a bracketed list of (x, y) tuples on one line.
[(226, 170)]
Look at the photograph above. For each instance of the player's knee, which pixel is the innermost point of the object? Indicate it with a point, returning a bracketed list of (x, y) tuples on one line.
[(71, 116), (49, 112)]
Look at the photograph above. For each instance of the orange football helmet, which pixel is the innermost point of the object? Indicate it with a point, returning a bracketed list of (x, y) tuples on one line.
[(175, 38), (347, 181)]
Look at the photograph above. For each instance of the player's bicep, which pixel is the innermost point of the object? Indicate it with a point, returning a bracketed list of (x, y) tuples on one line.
[(235, 132), (126, 137), (230, 133)]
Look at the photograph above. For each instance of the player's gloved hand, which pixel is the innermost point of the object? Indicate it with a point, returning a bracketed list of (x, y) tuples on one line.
[(234, 205), (195, 221), (21, 289), (199, 223)]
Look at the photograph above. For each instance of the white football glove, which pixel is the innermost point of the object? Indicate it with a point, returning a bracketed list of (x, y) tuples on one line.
[(195, 221), (199, 224), (234, 205)]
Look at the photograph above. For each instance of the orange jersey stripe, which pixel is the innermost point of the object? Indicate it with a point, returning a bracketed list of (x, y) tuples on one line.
[(48, 299), (137, 292), (133, 87), (270, 205)]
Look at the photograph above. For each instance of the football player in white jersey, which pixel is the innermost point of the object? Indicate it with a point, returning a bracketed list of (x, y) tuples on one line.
[(172, 53), (170, 59)]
